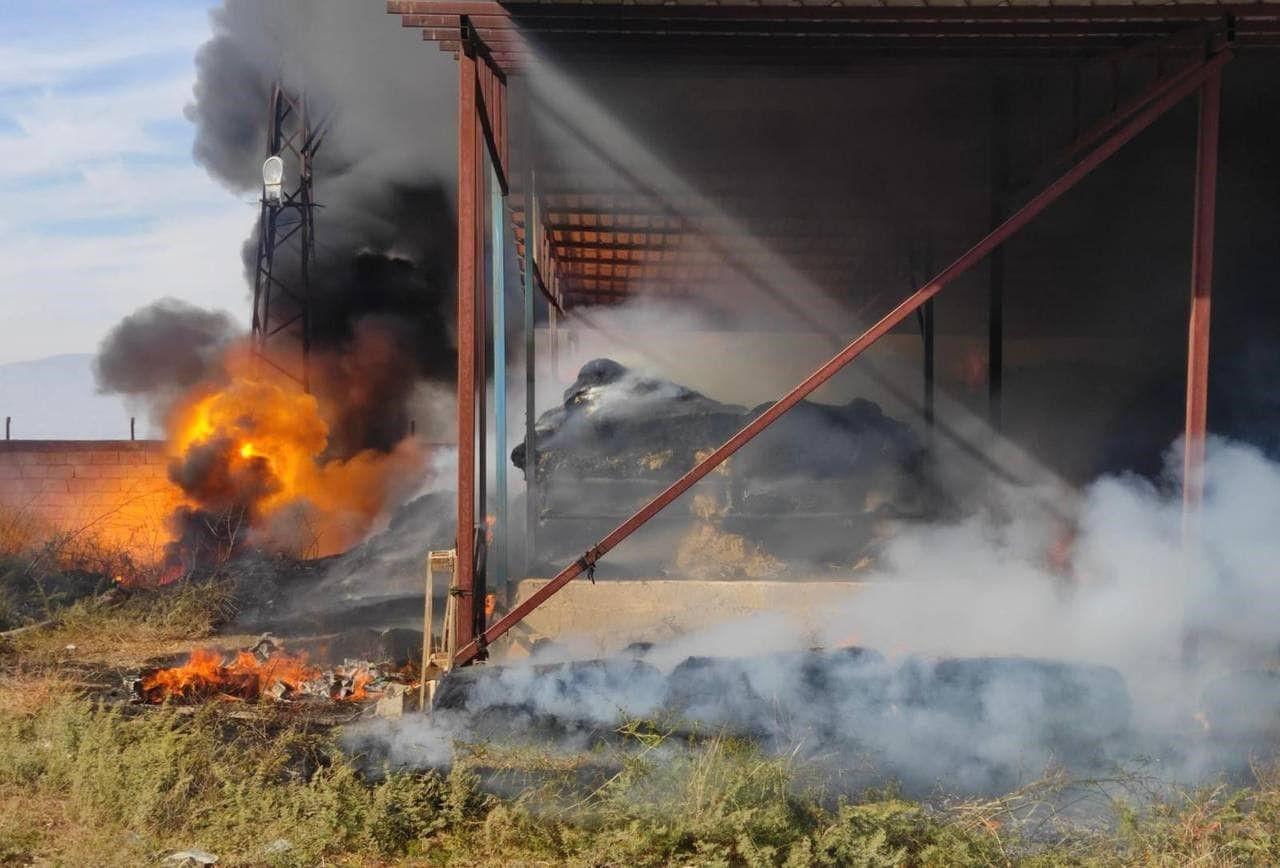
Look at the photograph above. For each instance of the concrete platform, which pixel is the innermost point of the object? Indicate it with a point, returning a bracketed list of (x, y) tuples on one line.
[(609, 615)]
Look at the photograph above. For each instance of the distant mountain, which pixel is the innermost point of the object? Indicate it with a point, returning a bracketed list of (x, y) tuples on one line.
[(56, 399)]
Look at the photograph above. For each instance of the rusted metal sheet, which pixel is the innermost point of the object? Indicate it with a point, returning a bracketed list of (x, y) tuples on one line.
[(468, 157), (906, 308), (1201, 292)]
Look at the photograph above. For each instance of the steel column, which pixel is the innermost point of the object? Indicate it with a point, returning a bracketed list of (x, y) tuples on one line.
[(972, 257), (467, 159), (497, 260), (926, 327), (530, 366), (480, 584), (999, 186), (1201, 291)]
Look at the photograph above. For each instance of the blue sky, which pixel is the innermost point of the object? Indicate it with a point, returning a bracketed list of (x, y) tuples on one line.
[(102, 208)]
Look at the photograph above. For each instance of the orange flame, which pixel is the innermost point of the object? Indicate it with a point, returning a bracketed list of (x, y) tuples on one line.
[(279, 436), (206, 675), (358, 686)]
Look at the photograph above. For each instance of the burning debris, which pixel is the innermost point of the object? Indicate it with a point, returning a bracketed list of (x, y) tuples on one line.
[(266, 673)]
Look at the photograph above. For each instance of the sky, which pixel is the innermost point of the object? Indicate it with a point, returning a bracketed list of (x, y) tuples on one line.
[(102, 208)]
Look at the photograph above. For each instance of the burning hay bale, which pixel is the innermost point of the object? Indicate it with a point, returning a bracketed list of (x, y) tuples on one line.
[(821, 473)]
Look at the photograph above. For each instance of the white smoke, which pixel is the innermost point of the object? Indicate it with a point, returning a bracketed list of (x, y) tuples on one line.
[(1140, 609)]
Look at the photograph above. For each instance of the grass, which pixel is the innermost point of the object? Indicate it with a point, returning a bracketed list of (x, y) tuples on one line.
[(140, 625), (83, 783)]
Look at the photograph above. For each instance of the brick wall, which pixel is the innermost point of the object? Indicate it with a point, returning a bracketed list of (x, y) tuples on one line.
[(116, 491)]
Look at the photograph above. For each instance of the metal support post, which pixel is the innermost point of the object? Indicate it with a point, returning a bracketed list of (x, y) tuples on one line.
[(1201, 291), (484, 345), (530, 402), (497, 265), (928, 336), (467, 159), (906, 308), (999, 185)]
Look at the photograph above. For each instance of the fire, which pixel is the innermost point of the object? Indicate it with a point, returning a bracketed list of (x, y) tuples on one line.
[(358, 686), (250, 455), (208, 675), (244, 677)]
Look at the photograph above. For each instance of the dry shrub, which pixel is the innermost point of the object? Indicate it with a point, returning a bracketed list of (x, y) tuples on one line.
[(88, 785), (42, 571), (81, 784), (142, 624), (20, 531), (25, 690)]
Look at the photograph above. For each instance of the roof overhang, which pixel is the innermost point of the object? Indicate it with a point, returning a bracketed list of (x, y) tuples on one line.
[(763, 32)]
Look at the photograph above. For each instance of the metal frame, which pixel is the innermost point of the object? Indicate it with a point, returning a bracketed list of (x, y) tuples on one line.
[(597, 32), (482, 116), (291, 137), (1159, 102), (1206, 188)]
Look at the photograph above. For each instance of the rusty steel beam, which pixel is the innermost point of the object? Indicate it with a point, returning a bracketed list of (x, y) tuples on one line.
[(763, 47), (722, 12), (490, 106), (491, 25), (1125, 110), (906, 308), (1201, 291), (468, 159)]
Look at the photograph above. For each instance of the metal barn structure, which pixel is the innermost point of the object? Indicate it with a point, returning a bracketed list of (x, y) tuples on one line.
[(582, 240)]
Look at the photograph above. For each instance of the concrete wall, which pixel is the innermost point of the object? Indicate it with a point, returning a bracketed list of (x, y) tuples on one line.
[(604, 617), (116, 491)]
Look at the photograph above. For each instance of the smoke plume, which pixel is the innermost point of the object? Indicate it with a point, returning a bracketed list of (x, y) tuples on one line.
[(381, 306), (259, 461), (981, 665), (381, 309), (162, 349)]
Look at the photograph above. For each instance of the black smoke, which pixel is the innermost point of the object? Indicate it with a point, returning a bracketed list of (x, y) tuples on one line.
[(382, 275), (161, 349), (228, 491)]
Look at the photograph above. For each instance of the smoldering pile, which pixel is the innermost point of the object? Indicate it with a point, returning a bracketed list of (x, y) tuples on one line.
[(979, 725), (816, 488), (377, 583)]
